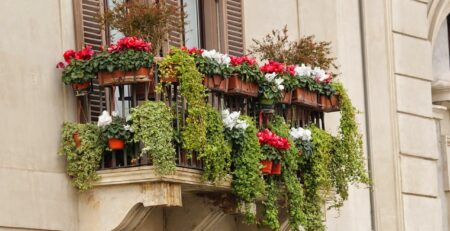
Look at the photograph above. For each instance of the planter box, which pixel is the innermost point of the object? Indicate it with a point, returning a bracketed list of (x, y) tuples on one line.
[(329, 104), (119, 77), (286, 97), (305, 97), (216, 83), (236, 86), (81, 89)]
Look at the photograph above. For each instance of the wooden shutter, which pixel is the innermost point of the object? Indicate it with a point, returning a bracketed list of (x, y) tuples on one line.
[(89, 32), (175, 36), (234, 27)]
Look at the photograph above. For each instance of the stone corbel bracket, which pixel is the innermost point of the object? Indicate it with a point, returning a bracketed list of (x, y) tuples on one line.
[(123, 195)]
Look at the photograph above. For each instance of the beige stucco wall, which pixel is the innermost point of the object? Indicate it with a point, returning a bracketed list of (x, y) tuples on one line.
[(34, 190)]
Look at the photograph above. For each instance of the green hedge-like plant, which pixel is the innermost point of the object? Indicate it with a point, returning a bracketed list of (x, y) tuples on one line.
[(271, 204), (152, 125), (180, 64), (247, 184), (216, 154), (82, 162)]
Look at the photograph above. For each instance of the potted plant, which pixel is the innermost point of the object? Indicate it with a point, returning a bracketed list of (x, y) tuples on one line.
[(114, 130), (308, 85), (128, 61), (270, 87), (77, 71), (328, 97), (272, 147), (215, 67), (245, 74)]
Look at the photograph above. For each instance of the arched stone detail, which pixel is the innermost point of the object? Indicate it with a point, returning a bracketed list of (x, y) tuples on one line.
[(135, 217), (437, 13)]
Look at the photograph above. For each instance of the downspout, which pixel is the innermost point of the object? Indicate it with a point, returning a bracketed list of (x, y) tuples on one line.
[(366, 107)]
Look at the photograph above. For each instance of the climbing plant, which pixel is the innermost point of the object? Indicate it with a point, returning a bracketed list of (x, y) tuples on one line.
[(82, 161)]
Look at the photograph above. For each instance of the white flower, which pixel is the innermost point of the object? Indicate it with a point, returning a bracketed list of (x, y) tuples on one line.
[(280, 87), (270, 76), (302, 70), (319, 74), (241, 124), (235, 115), (104, 119), (115, 113), (300, 133), (225, 113), (128, 128), (217, 56), (278, 83)]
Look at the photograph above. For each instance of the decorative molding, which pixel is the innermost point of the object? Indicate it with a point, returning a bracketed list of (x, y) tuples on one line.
[(209, 221), (134, 218)]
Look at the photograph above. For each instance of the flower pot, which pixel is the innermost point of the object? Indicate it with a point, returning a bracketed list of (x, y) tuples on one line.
[(286, 97), (76, 139), (105, 78), (276, 168), (143, 74), (329, 104), (267, 166), (81, 86), (216, 83), (236, 86), (116, 144), (143, 71), (305, 97)]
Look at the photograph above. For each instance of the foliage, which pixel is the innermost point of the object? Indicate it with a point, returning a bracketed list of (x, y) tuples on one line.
[(180, 64), (126, 60), (152, 22), (294, 190), (316, 178), (276, 46), (210, 67), (78, 71), (152, 125), (347, 162), (216, 154), (246, 68), (82, 162), (271, 205), (116, 129), (247, 184)]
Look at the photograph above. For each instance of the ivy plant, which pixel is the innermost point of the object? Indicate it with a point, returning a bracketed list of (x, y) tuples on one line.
[(216, 154), (152, 125), (82, 161), (180, 64), (271, 204)]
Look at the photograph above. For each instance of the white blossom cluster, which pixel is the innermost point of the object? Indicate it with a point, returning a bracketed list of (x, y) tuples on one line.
[(300, 133), (231, 120), (217, 56), (316, 73), (271, 77), (105, 119)]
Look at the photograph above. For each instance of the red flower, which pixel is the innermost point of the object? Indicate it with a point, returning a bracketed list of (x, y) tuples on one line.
[(272, 66), (131, 43), (60, 65), (290, 69), (270, 138), (68, 55), (85, 53), (236, 61), (195, 50)]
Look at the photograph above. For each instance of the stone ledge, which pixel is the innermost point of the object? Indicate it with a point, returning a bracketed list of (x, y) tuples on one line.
[(184, 176)]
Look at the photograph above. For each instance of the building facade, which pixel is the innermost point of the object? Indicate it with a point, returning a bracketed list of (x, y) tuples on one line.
[(393, 56)]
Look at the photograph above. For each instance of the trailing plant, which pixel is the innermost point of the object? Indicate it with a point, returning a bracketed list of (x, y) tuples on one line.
[(276, 46), (347, 162), (180, 64), (247, 184), (82, 161), (152, 22), (152, 125), (294, 191), (216, 154), (271, 204)]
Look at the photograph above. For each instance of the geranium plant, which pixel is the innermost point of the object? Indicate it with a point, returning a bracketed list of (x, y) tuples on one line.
[(77, 69)]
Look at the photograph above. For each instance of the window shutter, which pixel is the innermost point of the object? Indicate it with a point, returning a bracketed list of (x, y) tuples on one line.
[(175, 37), (89, 32), (234, 27)]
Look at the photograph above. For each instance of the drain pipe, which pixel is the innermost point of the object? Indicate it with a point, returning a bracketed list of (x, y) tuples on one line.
[(366, 107)]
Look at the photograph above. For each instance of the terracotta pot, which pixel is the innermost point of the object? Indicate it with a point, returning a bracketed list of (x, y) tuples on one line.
[(329, 104), (105, 78), (117, 74), (216, 83), (286, 97), (116, 144), (143, 71), (236, 86), (276, 168), (267, 166), (76, 139), (81, 86), (144, 74), (305, 97)]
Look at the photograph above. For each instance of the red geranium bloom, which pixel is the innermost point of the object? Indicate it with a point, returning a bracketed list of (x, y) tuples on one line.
[(272, 67), (290, 69), (68, 55), (270, 138), (132, 43), (85, 53)]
